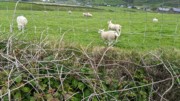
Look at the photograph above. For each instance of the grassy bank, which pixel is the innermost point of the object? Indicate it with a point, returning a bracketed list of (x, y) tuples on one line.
[(42, 71)]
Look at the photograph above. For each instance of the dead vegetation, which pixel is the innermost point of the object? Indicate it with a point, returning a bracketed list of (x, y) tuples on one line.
[(64, 72)]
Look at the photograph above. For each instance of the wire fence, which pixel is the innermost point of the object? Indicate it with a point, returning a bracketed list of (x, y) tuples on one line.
[(135, 23)]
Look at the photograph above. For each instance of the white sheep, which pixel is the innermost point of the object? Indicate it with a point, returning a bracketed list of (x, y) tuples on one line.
[(110, 36), (87, 14), (155, 20), (69, 12), (84, 14), (45, 11), (115, 27), (21, 22)]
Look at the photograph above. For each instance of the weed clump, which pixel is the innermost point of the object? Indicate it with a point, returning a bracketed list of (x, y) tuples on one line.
[(37, 71)]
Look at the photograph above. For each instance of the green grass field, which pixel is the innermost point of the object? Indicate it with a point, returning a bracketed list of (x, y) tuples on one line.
[(138, 30)]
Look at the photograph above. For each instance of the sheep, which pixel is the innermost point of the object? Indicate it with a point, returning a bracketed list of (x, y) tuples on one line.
[(45, 12), (115, 27), (21, 22), (155, 20), (109, 36), (69, 12), (87, 14)]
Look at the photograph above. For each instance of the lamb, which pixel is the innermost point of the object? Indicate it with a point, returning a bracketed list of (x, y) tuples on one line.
[(69, 12), (84, 14), (109, 36), (21, 22), (155, 20), (115, 27), (45, 11), (87, 14)]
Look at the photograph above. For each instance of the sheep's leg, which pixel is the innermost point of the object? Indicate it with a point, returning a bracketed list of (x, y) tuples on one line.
[(19, 27), (23, 29), (107, 43), (116, 40), (11, 28), (110, 43), (118, 32)]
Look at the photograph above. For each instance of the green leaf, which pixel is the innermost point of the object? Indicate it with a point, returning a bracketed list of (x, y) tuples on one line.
[(33, 83), (75, 99), (32, 99), (85, 70), (25, 89), (32, 70), (43, 86), (18, 79), (87, 92), (132, 94), (145, 81), (5, 98), (57, 94), (105, 87), (49, 97), (74, 83), (51, 57), (81, 86), (94, 99), (17, 96)]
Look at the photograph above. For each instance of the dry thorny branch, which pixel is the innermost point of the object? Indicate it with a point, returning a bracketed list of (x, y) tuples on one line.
[(34, 54)]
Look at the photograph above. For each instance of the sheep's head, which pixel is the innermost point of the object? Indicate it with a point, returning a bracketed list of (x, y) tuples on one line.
[(109, 22), (100, 31), (84, 14), (155, 20), (69, 12)]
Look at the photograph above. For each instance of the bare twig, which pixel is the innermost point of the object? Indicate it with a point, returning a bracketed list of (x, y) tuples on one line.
[(162, 97), (14, 14), (9, 81)]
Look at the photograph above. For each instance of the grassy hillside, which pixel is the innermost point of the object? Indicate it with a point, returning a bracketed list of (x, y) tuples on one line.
[(172, 3), (153, 3), (41, 6), (157, 3)]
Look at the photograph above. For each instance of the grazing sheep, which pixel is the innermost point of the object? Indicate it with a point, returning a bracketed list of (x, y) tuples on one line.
[(45, 12), (109, 36), (69, 12), (21, 22), (87, 14), (155, 20), (115, 27)]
